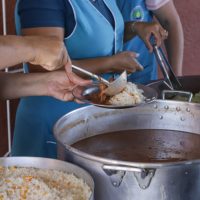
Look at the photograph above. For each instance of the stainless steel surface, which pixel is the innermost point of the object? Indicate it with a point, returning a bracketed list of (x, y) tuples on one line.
[(121, 168), (170, 79), (189, 83), (152, 181), (112, 87), (83, 94), (98, 78), (46, 163), (189, 95)]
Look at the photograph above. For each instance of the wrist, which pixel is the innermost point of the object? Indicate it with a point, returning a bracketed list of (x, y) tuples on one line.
[(31, 48), (36, 84), (111, 64), (44, 82), (134, 27)]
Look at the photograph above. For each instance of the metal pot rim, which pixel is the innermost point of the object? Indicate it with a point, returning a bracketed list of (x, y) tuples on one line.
[(155, 165), (192, 106)]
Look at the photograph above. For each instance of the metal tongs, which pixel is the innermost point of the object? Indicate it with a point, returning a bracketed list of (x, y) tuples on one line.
[(114, 87), (169, 77)]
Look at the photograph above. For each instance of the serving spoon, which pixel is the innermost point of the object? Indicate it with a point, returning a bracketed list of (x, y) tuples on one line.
[(113, 87)]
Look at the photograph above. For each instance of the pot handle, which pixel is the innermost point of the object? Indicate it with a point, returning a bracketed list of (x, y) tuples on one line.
[(189, 95), (122, 168), (117, 173)]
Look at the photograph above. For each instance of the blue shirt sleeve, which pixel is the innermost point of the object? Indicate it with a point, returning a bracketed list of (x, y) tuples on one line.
[(41, 13), (54, 13)]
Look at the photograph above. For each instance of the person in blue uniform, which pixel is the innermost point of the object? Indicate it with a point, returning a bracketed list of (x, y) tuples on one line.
[(144, 11), (93, 32)]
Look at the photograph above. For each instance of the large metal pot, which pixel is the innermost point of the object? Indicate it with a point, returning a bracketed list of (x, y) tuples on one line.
[(46, 163), (120, 180), (189, 83)]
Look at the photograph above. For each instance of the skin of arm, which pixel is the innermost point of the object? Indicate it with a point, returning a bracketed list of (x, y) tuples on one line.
[(145, 30), (169, 19), (55, 84), (48, 52), (116, 63)]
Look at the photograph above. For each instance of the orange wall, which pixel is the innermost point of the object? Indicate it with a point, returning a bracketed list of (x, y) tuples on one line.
[(189, 11)]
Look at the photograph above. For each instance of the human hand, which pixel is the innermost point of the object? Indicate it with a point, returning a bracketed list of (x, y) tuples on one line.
[(48, 52), (146, 29), (125, 60), (60, 86)]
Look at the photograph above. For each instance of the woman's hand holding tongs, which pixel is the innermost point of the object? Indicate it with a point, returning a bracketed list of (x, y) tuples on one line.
[(145, 30)]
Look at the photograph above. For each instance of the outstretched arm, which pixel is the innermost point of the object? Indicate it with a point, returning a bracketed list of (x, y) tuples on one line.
[(55, 84), (99, 65), (48, 52)]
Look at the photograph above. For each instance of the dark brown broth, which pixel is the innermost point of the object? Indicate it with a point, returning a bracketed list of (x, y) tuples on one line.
[(143, 145)]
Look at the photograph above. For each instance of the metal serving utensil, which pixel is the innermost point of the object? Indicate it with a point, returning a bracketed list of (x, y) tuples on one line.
[(84, 94), (169, 76), (114, 87), (170, 79)]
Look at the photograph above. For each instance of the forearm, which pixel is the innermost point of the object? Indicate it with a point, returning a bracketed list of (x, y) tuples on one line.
[(169, 19), (14, 50), (96, 65), (18, 85), (174, 46), (129, 32)]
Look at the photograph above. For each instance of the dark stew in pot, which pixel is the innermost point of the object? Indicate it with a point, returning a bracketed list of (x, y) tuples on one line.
[(143, 145)]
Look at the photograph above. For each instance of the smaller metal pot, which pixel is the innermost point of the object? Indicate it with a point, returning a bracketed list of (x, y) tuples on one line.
[(189, 83), (46, 163)]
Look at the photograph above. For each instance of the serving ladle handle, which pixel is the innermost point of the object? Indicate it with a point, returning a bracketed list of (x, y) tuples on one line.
[(90, 74)]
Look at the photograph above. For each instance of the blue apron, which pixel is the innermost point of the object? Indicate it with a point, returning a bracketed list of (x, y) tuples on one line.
[(135, 10), (36, 116)]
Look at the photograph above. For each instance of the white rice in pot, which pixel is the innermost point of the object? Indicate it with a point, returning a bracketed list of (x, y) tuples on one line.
[(131, 95), (19, 183)]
